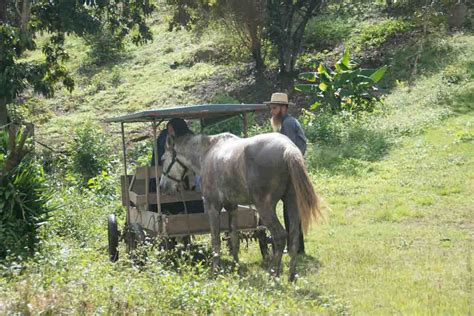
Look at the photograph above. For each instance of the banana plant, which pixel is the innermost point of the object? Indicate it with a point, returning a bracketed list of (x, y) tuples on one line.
[(347, 87)]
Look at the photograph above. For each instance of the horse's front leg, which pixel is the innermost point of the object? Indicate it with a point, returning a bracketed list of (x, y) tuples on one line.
[(234, 233), (213, 211)]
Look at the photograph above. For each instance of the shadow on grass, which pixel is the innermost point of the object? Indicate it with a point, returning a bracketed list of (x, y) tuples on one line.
[(90, 66), (436, 54), (351, 153), (462, 102)]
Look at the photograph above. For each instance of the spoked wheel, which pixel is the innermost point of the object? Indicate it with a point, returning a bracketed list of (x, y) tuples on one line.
[(264, 241), (113, 235), (134, 236)]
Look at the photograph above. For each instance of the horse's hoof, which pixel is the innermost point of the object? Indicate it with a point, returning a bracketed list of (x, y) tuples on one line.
[(292, 277), (274, 273)]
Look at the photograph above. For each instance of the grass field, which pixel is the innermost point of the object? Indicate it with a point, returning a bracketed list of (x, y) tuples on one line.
[(398, 233), (398, 239)]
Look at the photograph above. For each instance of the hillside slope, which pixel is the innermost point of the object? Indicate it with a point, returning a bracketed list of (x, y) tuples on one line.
[(397, 186)]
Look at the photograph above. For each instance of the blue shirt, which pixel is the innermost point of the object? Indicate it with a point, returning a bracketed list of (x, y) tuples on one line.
[(293, 130)]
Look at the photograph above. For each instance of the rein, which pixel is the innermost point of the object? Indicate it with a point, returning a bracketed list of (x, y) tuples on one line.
[(179, 181)]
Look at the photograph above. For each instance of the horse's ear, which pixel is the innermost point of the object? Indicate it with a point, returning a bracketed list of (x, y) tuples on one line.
[(169, 142)]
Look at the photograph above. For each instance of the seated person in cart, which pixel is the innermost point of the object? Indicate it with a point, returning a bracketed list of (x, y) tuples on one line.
[(176, 127)]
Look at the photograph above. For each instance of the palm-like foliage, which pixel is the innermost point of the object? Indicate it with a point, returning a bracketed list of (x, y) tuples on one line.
[(346, 87), (23, 204)]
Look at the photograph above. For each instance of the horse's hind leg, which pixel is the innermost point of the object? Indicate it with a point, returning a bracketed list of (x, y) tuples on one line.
[(294, 231), (266, 210), (234, 233), (213, 210)]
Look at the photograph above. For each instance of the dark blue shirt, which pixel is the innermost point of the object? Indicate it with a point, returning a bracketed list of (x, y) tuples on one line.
[(292, 129)]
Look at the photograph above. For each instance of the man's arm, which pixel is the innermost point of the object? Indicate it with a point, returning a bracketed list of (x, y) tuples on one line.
[(295, 133), (289, 128), (301, 143)]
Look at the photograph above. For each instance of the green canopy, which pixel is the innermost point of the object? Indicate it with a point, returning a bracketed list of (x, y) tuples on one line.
[(209, 113)]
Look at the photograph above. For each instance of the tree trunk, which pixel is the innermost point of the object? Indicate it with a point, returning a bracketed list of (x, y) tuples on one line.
[(281, 60), (256, 47), (257, 56), (3, 11), (3, 112), (297, 36), (25, 15)]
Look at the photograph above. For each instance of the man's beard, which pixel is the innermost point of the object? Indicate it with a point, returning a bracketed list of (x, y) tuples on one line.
[(276, 122)]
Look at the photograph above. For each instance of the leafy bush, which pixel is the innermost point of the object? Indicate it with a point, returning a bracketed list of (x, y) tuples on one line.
[(82, 217), (89, 152), (343, 142), (103, 186), (24, 205), (140, 154), (325, 32), (104, 47), (373, 35), (348, 87), (233, 125)]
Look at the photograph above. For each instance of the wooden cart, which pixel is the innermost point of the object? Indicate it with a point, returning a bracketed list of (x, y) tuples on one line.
[(141, 221)]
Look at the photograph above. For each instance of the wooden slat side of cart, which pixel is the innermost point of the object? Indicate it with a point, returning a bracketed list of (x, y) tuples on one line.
[(179, 224)]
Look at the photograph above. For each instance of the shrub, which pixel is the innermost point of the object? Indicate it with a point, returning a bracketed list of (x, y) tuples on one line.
[(325, 32), (24, 205), (83, 213), (343, 142), (89, 152), (104, 47), (232, 125), (373, 35), (347, 87)]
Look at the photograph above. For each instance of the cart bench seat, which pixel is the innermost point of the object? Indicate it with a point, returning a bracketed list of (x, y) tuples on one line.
[(139, 186)]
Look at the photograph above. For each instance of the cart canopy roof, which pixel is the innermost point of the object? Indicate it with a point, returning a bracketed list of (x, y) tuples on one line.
[(207, 112)]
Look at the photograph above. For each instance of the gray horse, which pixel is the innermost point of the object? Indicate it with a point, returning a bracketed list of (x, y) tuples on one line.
[(260, 171)]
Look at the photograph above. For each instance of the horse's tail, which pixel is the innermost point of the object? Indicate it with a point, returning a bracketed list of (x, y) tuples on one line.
[(306, 198)]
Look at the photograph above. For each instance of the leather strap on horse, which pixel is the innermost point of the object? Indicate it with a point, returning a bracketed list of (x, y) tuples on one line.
[(185, 209)]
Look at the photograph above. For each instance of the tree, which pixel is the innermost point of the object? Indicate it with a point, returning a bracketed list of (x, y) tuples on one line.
[(287, 20), (22, 20), (246, 18), (281, 22)]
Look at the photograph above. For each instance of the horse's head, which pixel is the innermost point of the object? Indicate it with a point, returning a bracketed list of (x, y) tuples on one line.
[(175, 167)]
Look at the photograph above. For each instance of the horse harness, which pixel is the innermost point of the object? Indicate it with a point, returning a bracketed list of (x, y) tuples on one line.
[(176, 159)]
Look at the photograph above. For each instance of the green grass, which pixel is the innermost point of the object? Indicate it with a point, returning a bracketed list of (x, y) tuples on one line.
[(141, 79), (400, 236), (397, 187), (372, 34), (397, 240)]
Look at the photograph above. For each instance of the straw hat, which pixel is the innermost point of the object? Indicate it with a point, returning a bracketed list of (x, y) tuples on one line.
[(279, 98)]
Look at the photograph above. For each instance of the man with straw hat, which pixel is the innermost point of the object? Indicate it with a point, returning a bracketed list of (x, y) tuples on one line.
[(284, 123)]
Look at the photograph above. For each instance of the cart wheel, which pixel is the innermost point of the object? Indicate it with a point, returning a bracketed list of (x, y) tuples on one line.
[(134, 236), (113, 237), (263, 241)]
